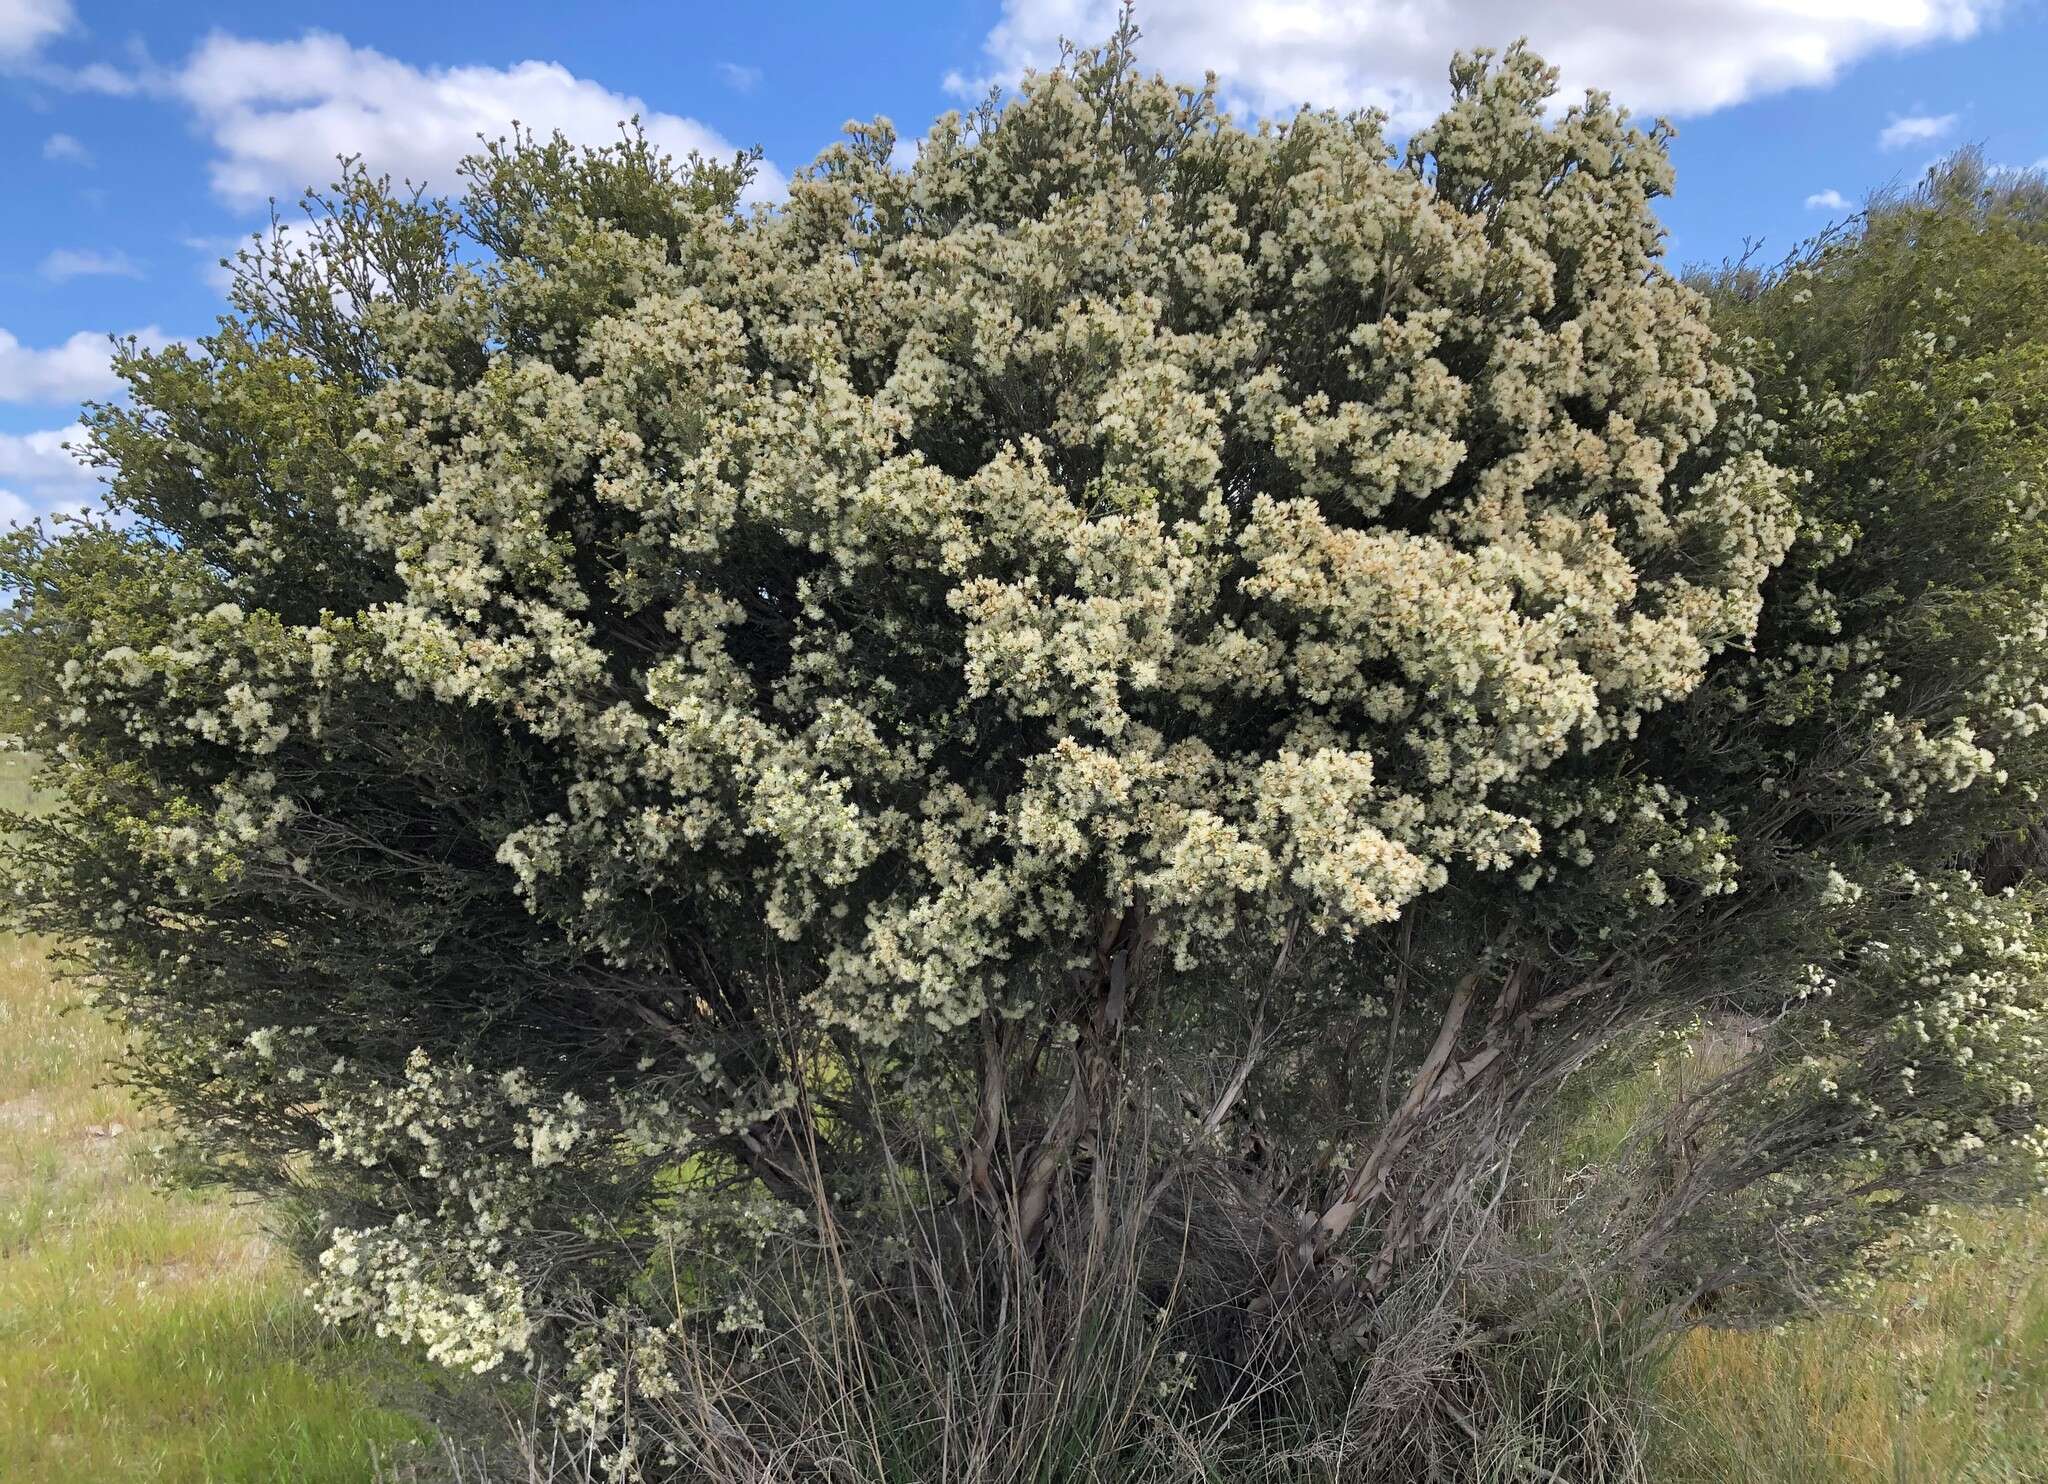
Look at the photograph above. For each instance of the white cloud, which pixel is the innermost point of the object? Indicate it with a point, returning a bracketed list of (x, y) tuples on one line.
[(279, 112), (26, 24), (104, 77), (65, 148), (1828, 200), (1915, 129), (38, 474), (740, 79), (67, 263), (69, 372), (1676, 56)]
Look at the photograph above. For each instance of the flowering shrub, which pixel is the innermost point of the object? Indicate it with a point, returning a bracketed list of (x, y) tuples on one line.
[(613, 731)]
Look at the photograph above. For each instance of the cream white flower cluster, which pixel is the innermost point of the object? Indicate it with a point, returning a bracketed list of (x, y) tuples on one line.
[(477, 1159), (1642, 845), (994, 567), (397, 1278), (1959, 990)]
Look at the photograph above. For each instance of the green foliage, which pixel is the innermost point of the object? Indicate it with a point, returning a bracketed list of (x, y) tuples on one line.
[(1880, 755)]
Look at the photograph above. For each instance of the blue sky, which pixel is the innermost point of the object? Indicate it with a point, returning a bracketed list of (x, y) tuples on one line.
[(140, 140)]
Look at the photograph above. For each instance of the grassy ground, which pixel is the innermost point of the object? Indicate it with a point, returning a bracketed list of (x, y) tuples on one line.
[(1941, 1380), (145, 1335)]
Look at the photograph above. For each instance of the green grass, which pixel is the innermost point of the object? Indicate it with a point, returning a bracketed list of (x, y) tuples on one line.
[(1941, 1378), (147, 1335)]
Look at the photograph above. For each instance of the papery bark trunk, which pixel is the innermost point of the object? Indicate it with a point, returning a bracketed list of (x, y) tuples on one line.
[(1098, 1032), (1450, 1082)]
